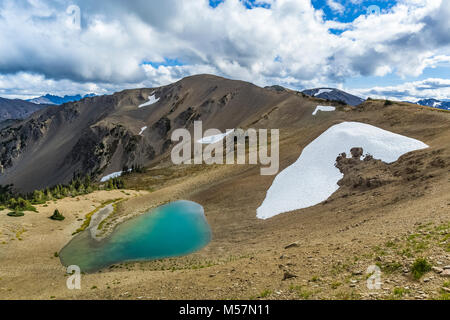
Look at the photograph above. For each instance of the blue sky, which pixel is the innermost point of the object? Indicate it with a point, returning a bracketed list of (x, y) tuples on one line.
[(401, 51), (351, 10), (347, 11)]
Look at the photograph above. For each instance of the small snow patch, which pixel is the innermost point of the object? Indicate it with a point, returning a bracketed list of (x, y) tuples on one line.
[(323, 108), (111, 176), (313, 177), (151, 100), (215, 138), (142, 130)]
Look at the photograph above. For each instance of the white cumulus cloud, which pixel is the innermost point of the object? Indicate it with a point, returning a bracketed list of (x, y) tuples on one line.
[(288, 42)]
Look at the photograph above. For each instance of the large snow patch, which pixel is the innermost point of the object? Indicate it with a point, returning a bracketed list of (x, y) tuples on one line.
[(313, 177)]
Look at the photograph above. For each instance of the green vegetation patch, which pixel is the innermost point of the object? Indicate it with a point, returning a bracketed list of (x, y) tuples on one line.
[(88, 217), (16, 214), (265, 294), (115, 204), (420, 267), (302, 293), (399, 292), (389, 267), (77, 186), (20, 204), (57, 216)]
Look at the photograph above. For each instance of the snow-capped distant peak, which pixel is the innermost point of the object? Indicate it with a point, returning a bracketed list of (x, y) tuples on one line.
[(57, 100), (320, 91), (334, 95), (41, 100), (434, 103)]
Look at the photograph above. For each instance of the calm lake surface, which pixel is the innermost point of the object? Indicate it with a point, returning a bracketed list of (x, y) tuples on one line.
[(175, 229)]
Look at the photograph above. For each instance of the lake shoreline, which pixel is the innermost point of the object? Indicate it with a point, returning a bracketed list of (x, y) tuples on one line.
[(97, 219), (172, 230)]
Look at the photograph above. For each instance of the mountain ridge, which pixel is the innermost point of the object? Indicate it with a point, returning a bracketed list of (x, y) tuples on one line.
[(50, 99), (17, 109), (434, 103), (103, 134), (100, 135), (334, 94)]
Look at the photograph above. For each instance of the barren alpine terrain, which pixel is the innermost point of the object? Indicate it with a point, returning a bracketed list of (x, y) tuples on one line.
[(384, 215)]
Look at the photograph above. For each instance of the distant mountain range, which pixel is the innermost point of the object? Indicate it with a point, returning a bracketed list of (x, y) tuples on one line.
[(17, 109), (334, 95), (56, 100), (331, 94), (445, 105)]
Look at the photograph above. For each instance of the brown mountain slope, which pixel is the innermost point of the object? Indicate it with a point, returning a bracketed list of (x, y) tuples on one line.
[(402, 214), (333, 242), (100, 135), (17, 109)]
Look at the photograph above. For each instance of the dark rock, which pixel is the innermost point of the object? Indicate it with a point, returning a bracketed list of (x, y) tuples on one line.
[(357, 152), (292, 245), (287, 275)]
